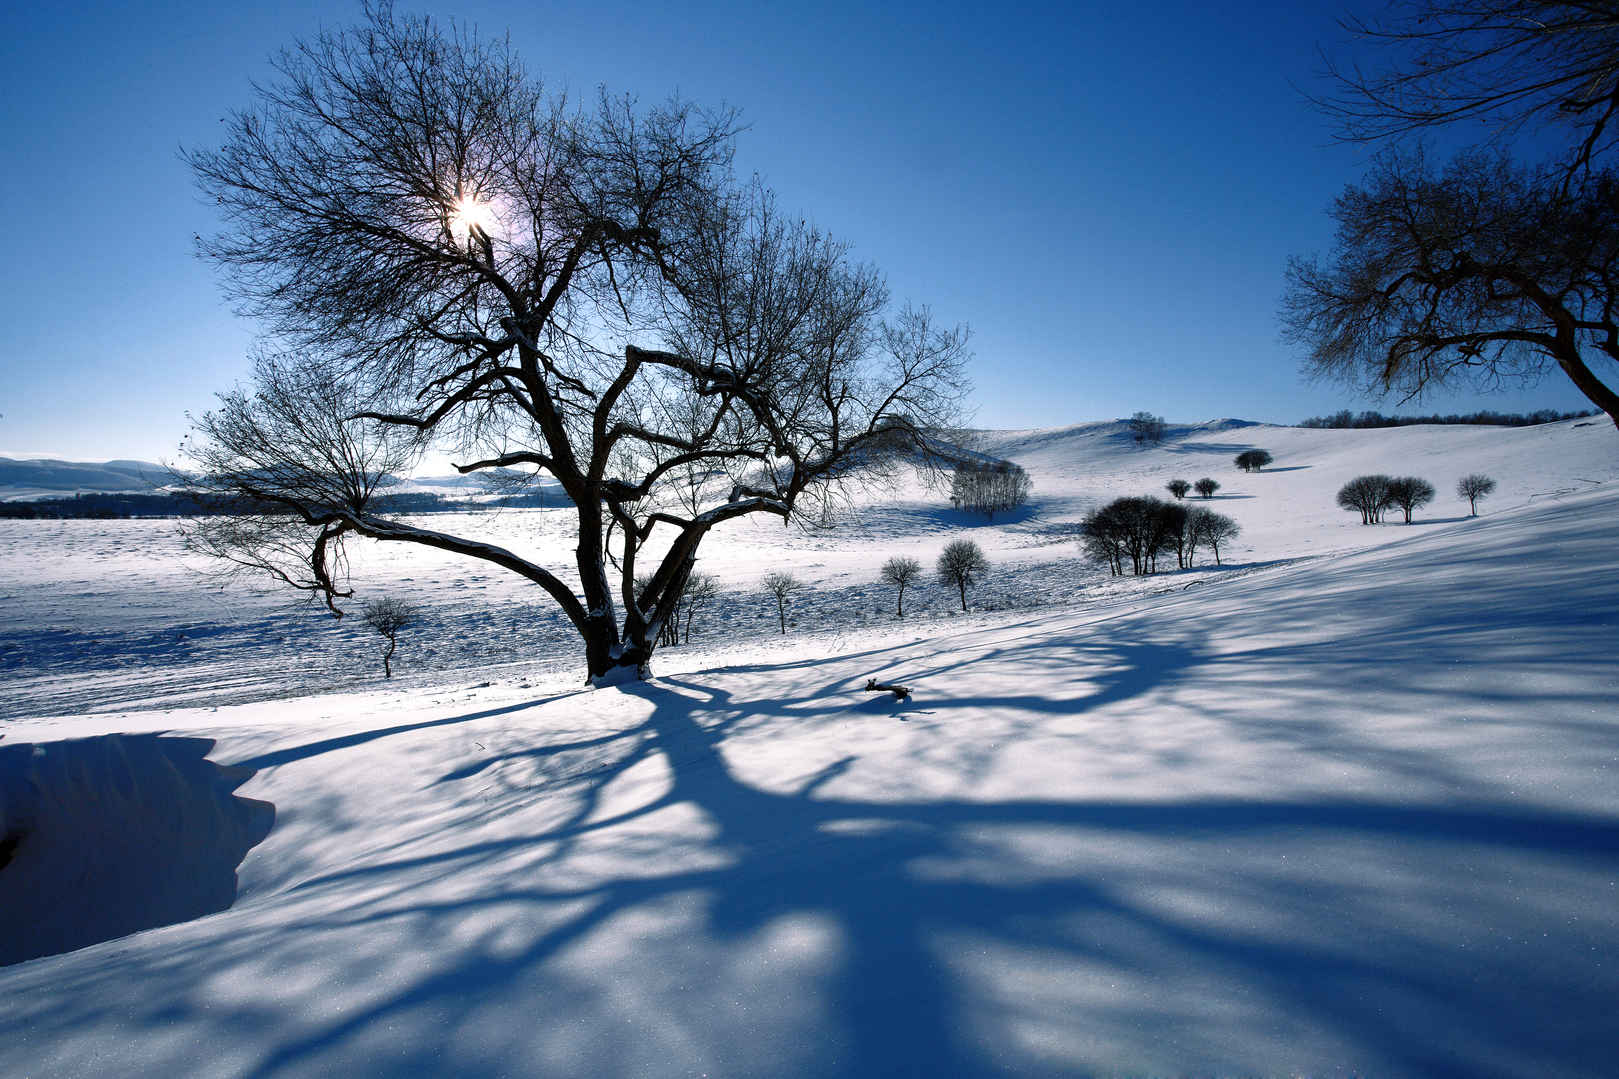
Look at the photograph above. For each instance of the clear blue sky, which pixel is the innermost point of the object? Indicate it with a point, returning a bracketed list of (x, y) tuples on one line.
[(1108, 196)]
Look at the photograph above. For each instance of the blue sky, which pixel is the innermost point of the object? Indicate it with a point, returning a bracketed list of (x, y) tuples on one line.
[(1108, 196)]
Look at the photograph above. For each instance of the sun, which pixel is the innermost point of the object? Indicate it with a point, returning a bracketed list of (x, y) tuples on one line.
[(469, 212)]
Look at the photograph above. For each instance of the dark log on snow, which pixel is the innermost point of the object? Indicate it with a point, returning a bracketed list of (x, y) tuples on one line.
[(899, 692)]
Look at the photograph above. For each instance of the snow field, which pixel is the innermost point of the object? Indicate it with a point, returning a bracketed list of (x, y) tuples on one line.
[(1343, 814)]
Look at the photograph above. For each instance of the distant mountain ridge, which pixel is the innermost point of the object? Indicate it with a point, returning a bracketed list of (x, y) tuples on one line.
[(30, 478)]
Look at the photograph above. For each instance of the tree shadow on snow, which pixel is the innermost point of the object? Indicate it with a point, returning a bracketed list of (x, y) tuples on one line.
[(898, 1000)]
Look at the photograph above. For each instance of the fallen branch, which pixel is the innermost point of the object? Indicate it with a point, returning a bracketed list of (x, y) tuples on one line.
[(874, 686)]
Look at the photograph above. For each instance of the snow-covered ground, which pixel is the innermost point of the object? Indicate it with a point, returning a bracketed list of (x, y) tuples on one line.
[(1351, 806)]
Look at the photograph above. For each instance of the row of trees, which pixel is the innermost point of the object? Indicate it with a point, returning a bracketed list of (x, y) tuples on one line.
[(1138, 530), (1372, 496), (961, 565), (1345, 419)]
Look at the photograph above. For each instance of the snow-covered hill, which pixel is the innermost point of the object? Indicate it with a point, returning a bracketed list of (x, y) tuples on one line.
[(46, 478), (1349, 809)]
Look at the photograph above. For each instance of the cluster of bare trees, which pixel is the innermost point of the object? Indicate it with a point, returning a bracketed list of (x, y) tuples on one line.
[(1146, 428), (989, 488), (444, 255), (1479, 268), (1372, 496), (1138, 530)]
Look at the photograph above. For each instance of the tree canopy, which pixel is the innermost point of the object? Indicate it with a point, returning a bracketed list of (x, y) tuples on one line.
[(444, 255)]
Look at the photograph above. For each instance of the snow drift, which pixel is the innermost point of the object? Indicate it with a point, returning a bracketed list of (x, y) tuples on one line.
[(111, 835)]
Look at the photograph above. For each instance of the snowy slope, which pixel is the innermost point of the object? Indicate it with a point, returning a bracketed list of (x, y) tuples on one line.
[(1348, 814), (120, 601)]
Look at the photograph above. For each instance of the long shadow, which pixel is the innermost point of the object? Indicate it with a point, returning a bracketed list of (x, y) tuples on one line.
[(348, 741), (896, 1003)]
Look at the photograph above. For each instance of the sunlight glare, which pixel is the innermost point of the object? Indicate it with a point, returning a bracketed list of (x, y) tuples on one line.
[(469, 212)]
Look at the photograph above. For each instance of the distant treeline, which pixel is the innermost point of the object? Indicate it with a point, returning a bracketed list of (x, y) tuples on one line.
[(1347, 418), (183, 504)]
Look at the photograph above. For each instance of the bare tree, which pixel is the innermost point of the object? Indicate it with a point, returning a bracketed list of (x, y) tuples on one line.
[(782, 587), (388, 615), (1213, 529), (962, 563), (1473, 487), (1206, 487), (1367, 495), (1178, 488), (1146, 427), (1484, 272), (699, 589), (464, 262), (1550, 67), (1410, 493), (900, 572), (1253, 460)]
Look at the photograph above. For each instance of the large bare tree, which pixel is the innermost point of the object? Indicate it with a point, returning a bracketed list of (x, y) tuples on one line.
[(1549, 66), (1482, 270), (444, 255)]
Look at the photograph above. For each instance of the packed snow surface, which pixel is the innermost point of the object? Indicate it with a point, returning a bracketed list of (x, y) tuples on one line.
[(1349, 806)]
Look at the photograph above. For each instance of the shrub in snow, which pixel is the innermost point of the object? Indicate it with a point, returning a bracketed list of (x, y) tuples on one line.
[(1409, 493), (962, 564), (900, 572), (782, 586), (1253, 460), (388, 615), (1368, 496), (1206, 486), (1474, 487), (1178, 488)]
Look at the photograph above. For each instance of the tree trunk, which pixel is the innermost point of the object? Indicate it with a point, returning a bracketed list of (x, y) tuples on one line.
[(387, 657), (961, 583)]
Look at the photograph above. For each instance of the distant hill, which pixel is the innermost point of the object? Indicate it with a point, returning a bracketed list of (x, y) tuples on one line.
[(38, 478)]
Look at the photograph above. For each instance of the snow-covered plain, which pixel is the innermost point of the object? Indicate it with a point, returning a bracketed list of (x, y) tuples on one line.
[(1349, 804)]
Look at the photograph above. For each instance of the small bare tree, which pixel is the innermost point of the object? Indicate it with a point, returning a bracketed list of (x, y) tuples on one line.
[(1474, 487), (388, 615), (1178, 488), (962, 564), (1206, 487), (1213, 529), (1410, 493), (782, 586), (900, 572)]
